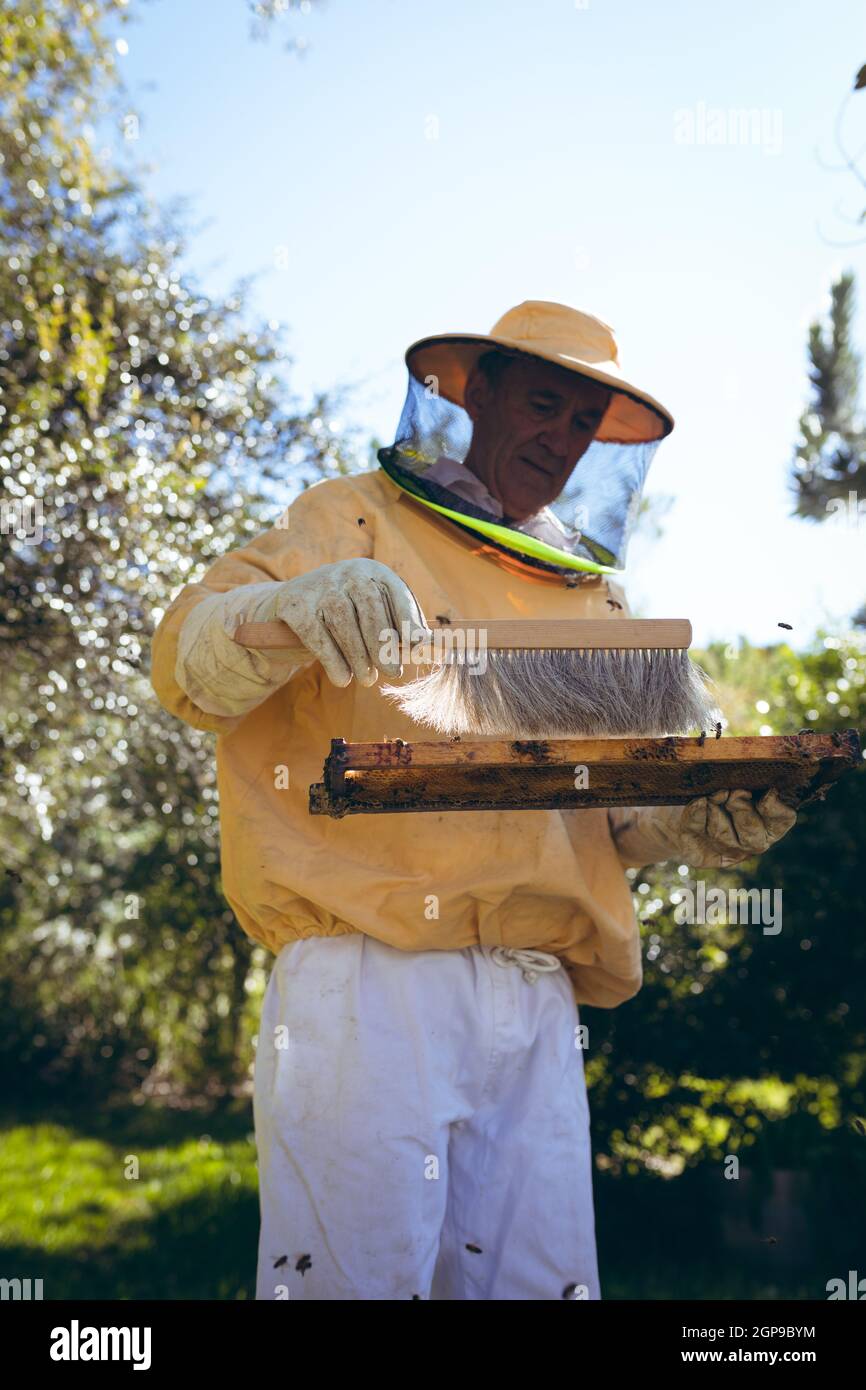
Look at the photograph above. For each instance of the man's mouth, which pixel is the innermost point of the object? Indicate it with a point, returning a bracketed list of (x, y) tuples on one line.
[(537, 467)]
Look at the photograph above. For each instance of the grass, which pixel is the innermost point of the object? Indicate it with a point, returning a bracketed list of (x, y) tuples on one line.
[(131, 1206), (158, 1203)]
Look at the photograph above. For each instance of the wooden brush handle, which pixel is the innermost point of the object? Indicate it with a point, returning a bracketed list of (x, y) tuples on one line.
[(267, 635), (607, 633)]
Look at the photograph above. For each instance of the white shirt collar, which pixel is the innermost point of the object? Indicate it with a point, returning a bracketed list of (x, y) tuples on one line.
[(544, 526), (464, 482)]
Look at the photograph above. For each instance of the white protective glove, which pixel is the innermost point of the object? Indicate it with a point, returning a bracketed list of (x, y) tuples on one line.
[(336, 612), (710, 832)]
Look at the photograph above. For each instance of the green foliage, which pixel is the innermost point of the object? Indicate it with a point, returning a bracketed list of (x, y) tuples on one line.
[(154, 430), (744, 1042)]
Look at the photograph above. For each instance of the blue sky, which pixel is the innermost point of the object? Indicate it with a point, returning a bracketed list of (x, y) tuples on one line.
[(422, 168)]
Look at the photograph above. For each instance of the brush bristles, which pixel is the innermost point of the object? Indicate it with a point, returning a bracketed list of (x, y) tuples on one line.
[(562, 693)]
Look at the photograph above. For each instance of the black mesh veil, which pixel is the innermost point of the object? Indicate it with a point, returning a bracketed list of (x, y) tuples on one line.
[(588, 525)]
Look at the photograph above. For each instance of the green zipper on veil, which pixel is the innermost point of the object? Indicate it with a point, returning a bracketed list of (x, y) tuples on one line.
[(511, 540)]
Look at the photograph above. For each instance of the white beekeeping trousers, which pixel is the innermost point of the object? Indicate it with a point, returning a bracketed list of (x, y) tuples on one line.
[(422, 1127)]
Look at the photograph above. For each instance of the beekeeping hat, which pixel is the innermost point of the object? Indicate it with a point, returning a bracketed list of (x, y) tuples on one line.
[(589, 522)]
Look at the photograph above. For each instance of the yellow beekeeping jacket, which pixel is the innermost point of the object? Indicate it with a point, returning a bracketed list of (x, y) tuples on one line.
[(552, 880)]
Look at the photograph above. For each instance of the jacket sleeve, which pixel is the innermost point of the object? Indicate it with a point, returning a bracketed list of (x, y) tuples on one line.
[(653, 834), (641, 837), (193, 657)]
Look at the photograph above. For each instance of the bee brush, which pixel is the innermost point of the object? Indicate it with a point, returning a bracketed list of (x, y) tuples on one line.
[(557, 678), (560, 678)]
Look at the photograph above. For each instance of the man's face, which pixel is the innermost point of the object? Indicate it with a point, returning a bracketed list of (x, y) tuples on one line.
[(530, 430)]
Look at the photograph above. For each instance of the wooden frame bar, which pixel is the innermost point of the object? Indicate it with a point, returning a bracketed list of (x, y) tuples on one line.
[(560, 774)]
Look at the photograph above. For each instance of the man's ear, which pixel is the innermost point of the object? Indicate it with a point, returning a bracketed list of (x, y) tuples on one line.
[(477, 393)]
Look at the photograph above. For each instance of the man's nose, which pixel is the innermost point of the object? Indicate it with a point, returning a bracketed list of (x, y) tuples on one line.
[(554, 438)]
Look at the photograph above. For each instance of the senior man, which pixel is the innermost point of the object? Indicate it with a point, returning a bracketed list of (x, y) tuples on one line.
[(420, 1105)]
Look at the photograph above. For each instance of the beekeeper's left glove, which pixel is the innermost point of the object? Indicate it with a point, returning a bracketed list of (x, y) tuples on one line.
[(713, 831)]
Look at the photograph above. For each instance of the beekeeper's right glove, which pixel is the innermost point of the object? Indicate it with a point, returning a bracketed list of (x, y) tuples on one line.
[(337, 613), (709, 832)]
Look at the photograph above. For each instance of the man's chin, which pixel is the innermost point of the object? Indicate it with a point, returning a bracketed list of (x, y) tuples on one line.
[(524, 510)]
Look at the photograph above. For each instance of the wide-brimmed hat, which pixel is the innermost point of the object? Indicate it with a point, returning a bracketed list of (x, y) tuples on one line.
[(558, 334)]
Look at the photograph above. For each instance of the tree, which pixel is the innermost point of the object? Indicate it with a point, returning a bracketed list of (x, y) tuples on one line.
[(266, 12), (151, 430), (830, 458)]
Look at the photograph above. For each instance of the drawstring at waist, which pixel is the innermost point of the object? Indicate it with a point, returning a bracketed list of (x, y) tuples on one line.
[(532, 963)]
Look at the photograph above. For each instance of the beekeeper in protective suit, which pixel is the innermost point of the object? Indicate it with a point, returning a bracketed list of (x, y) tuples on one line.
[(420, 1108)]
